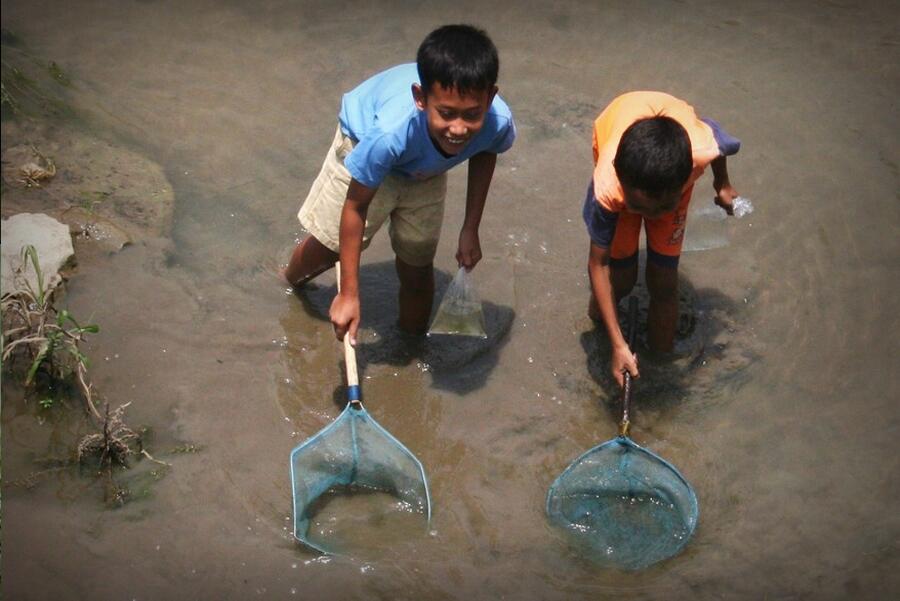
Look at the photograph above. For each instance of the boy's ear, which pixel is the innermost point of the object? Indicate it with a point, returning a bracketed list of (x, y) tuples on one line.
[(493, 93), (419, 96)]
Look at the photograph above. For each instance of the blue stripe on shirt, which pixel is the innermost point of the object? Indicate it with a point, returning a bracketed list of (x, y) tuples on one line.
[(728, 144), (601, 224)]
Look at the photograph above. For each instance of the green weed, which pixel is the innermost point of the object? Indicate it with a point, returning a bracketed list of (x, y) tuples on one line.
[(32, 327), (89, 200)]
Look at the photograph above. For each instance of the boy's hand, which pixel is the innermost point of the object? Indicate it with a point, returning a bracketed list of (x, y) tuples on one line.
[(469, 252), (623, 359), (344, 316), (725, 195)]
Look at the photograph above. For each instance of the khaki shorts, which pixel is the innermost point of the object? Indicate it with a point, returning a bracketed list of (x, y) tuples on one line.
[(415, 208)]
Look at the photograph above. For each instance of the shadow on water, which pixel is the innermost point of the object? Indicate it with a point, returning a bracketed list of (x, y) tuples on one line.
[(712, 352), (458, 364)]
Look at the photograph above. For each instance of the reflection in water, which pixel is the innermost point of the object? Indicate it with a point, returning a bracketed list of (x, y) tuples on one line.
[(456, 363), (711, 351)]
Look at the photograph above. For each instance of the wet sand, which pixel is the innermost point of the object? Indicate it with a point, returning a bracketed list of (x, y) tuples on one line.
[(782, 411)]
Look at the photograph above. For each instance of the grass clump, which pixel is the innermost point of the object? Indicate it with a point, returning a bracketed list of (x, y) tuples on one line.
[(42, 345)]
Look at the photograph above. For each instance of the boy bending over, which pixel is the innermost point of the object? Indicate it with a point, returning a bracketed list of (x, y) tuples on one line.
[(398, 134), (649, 149)]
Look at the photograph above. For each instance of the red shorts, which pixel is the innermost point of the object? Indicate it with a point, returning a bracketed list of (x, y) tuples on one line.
[(665, 235)]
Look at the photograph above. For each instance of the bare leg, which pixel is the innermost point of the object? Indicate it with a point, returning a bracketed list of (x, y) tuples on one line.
[(416, 296), (309, 259), (662, 318), (623, 280)]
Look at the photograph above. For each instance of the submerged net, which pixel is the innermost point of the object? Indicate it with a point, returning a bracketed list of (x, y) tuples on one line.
[(626, 506), (354, 453)]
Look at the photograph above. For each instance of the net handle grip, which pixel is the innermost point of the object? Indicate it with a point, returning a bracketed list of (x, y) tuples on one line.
[(353, 391), (625, 424)]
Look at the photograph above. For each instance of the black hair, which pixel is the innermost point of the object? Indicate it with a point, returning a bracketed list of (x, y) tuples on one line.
[(654, 156), (458, 56)]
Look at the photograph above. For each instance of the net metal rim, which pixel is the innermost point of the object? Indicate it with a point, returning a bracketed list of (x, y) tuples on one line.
[(351, 411), (692, 510)]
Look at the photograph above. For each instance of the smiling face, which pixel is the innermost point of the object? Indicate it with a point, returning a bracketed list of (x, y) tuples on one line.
[(453, 119)]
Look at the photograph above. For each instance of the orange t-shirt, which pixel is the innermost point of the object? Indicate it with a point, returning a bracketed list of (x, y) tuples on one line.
[(620, 115)]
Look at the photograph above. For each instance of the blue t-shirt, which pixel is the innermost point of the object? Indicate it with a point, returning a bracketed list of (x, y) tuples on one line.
[(391, 133)]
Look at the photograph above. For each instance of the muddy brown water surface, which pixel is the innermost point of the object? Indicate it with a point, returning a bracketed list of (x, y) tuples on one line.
[(782, 411)]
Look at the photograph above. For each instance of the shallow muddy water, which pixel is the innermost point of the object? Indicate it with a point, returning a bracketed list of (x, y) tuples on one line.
[(781, 409), (364, 523), (619, 530)]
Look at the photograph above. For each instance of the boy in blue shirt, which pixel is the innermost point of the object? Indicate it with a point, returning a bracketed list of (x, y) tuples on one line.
[(398, 134)]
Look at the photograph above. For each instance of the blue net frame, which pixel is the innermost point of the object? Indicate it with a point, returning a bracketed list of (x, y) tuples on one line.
[(626, 506), (354, 451)]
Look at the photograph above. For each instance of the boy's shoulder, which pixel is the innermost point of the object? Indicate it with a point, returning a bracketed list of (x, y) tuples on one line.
[(500, 110), (383, 103), (626, 109)]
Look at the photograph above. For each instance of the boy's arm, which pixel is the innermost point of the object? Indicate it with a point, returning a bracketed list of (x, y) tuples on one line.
[(481, 170), (728, 145), (725, 192), (344, 311), (601, 286)]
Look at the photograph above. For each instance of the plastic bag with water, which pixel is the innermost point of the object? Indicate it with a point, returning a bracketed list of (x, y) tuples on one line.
[(707, 226), (460, 312), (742, 206)]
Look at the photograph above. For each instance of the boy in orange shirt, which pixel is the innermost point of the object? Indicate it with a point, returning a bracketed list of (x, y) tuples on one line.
[(649, 149)]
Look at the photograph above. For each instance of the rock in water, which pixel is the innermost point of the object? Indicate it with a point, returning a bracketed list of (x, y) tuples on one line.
[(51, 240)]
